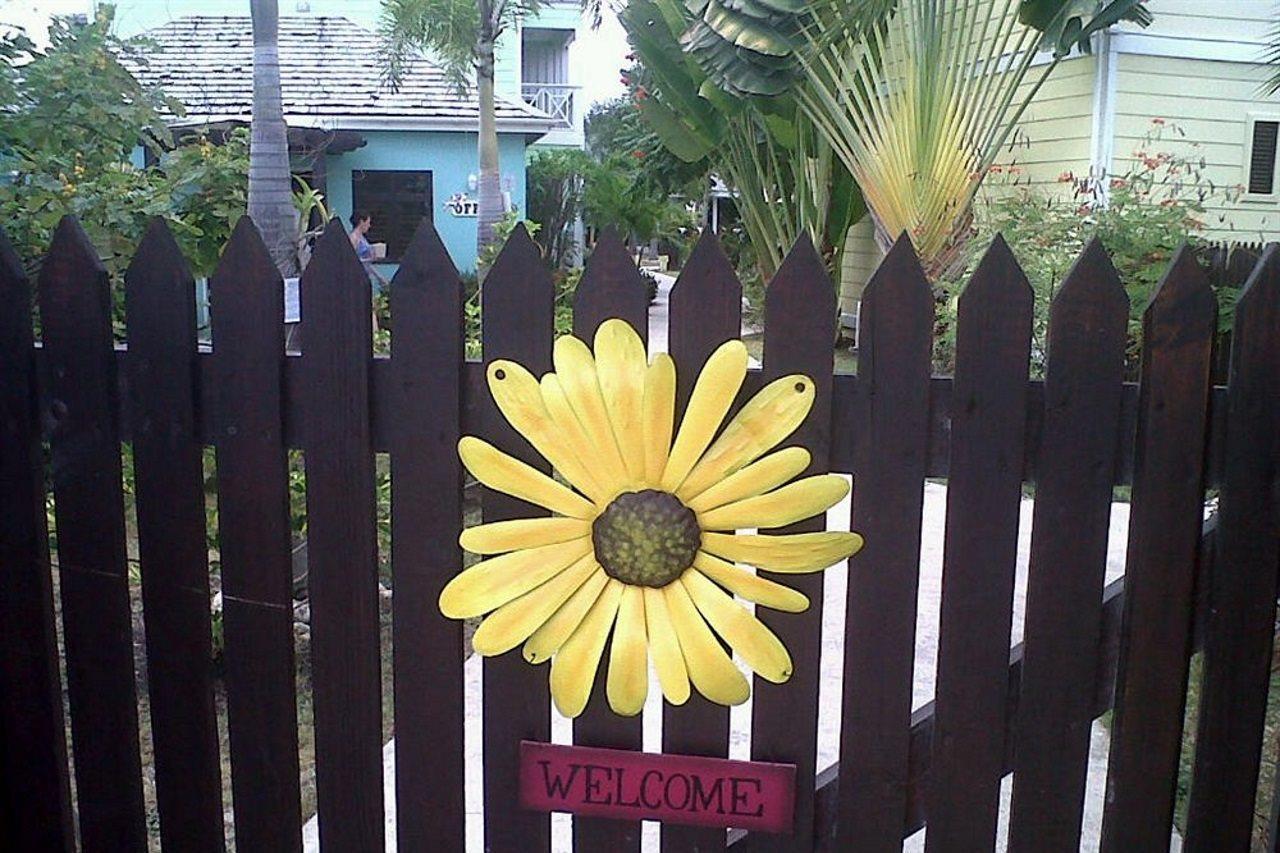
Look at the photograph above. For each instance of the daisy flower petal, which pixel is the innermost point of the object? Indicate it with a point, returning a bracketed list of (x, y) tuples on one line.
[(577, 372), (793, 552), (497, 537), (749, 638), (551, 635), (491, 583), (573, 669), (509, 475), (710, 669), (665, 648), (628, 681), (749, 585), (787, 505), (658, 416), (621, 368), (760, 476), (513, 623), (713, 394), (605, 464)]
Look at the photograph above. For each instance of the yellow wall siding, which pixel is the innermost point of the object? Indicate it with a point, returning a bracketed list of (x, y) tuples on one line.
[(1054, 134), (859, 261), (1218, 20), (1211, 103)]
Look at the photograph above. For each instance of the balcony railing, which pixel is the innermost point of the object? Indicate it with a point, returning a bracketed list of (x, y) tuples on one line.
[(554, 99)]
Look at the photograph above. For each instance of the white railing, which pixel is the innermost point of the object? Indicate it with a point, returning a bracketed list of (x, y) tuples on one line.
[(554, 99)]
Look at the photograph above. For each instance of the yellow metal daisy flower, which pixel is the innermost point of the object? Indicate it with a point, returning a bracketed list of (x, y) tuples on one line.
[(643, 544)]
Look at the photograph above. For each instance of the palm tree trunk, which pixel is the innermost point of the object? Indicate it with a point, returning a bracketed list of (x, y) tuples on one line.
[(270, 190), (489, 189)]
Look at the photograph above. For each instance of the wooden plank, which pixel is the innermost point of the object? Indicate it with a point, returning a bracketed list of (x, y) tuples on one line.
[(1164, 523), (35, 788), (984, 492), (611, 286), (705, 311), (880, 615), (1242, 593), (800, 326), (1088, 327), (426, 515), (342, 546), (168, 470), (517, 307), (247, 318), (75, 312)]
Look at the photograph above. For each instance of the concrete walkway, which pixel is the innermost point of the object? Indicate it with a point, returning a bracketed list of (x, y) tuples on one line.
[(831, 665)]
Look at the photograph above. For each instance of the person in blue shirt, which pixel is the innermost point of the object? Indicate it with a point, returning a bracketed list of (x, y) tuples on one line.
[(361, 222)]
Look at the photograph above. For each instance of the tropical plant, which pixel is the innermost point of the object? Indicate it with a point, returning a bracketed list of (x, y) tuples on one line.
[(554, 194), (787, 180), (461, 35), (270, 190), (915, 97)]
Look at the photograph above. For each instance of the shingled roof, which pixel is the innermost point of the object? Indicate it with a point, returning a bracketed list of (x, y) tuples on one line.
[(330, 77)]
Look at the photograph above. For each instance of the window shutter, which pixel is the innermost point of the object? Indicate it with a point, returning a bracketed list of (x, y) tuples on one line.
[(1262, 159)]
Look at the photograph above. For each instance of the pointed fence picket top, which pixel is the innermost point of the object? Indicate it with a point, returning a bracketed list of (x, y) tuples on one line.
[(1166, 508), (984, 494), (880, 615), (168, 469), (800, 326), (426, 513), (1076, 461), (83, 407), (34, 777), (611, 286), (254, 542), (342, 565), (1242, 590), (705, 311), (517, 322)]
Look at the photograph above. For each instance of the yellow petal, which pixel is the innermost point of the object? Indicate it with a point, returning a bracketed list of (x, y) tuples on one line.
[(665, 648), (712, 396), (519, 398), (620, 367), (659, 416), (507, 474), (751, 586), (606, 465), (749, 638), (491, 583), (513, 623), (787, 505), (794, 552), (576, 370), (760, 476), (711, 670), (573, 669), (497, 537), (548, 639), (768, 418), (628, 683)]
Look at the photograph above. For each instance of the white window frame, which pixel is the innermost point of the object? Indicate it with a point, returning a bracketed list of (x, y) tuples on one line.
[(1251, 119)]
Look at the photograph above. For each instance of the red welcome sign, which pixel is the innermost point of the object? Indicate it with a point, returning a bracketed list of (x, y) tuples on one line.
[(688, 789)]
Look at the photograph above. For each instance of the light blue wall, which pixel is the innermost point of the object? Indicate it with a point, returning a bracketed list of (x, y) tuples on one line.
[(451, 157)]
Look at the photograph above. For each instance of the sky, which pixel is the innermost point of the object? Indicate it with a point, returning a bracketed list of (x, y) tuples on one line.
[(602, 51)]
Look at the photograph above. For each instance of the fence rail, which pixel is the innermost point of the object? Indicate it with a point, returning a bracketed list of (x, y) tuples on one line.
[(989, 430)]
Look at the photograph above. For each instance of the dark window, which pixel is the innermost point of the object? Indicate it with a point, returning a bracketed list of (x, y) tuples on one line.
[(397, 201), (1262, 158)]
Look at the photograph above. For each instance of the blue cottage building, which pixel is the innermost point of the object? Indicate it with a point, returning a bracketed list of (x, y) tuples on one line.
[(401, 154)]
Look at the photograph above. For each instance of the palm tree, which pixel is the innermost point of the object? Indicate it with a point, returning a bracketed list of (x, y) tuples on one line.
[(270, 188), (460, 35)]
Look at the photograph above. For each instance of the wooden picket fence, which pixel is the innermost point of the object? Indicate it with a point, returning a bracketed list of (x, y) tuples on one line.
[(988, 430)]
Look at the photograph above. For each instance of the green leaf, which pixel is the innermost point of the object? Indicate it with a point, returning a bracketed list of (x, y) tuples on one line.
[(678, 137)]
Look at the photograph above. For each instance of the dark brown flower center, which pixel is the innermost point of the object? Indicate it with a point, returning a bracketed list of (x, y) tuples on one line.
[(646, 538)]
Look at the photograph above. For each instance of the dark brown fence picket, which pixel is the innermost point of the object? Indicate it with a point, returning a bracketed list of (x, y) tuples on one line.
[(984, 492), (705, 308), (800, 325), (247, 318), (342, 546), (1164, 527), (1242, 587), (1088, 324), (888, 496), (35, 790), (83, 408), (517, 303), (426, 514), (168, 473), (611, 286)]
